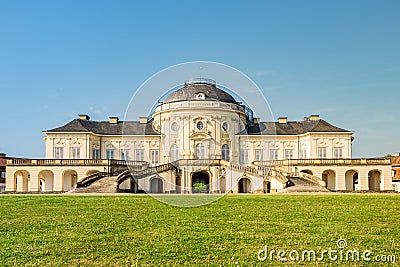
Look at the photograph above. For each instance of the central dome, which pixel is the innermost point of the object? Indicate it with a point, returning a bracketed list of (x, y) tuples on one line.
[(200, 89)]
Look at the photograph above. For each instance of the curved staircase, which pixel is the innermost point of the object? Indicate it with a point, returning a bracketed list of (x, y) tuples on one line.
[(102, 185), (299, 184)]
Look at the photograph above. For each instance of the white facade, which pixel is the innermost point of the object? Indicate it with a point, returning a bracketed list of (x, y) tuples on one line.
[(216, 136)]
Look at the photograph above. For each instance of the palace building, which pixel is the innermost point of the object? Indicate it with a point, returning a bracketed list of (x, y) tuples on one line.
[(199, 139)]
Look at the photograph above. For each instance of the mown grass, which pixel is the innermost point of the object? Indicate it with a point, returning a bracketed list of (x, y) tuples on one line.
[(140, 231)]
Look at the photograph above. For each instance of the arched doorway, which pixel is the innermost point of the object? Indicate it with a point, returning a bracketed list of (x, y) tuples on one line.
[(351, 180), (244, 185), (21, 181), (156, 185), (374, 180), (329, 177), (46, 181), (200, 182), (70, 177)]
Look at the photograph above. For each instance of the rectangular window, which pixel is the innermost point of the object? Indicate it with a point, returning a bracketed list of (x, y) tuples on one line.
[(95, 153), (337, 152), (303, 154), (322, 152), (58, 152), (125, 154), (273, 154), (139, 155), (289, 153), (154, 157), (259, 155), (3, 174), (76, 152), (110, 154), (244, 157)]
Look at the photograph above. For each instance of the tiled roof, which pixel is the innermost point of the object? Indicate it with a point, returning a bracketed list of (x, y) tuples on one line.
[(137, 128), (291, 128), (106, 128), (190, 91)]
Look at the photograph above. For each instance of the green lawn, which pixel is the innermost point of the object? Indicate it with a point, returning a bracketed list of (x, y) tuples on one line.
[(138, 230)]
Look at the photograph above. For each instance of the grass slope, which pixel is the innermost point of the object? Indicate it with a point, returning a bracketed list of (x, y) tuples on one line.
[(140, 231)]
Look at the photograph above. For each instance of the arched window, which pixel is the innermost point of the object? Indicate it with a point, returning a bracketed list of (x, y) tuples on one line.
[(225, 152), (174, 153), (200, 152)]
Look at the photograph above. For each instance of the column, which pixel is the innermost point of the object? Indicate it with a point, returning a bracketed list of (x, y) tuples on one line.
[(340, 181), (34, 181), (363, 179)]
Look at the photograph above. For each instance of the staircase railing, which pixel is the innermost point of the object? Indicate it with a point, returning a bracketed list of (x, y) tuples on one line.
[(261, 171), (146, 172), (88, 180), (309, 177)]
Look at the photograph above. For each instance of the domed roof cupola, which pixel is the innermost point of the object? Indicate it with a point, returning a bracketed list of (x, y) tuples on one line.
[(200, 89)]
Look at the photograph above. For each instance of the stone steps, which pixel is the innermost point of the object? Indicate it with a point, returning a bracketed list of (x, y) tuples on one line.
[(302, 185), (103, 185)]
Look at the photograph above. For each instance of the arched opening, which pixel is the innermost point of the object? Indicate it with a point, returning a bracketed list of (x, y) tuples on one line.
[(351, 180), (21, 181), (225, 152), (374, 180), (129, 185), (329, 177), (307, 171), (244, 185), (90, 172), (267, 186), (46, 181), (200, 182), (156, 185), (70, 177)]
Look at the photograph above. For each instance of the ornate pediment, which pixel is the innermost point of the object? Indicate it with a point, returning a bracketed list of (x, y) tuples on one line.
[(200, 136)]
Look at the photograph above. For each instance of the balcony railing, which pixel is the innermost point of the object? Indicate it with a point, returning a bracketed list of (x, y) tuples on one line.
[(304, 162), (76, 162)]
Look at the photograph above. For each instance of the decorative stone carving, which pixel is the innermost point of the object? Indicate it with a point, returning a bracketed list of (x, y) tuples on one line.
[(289, 145), (59, 142), (321, 142), (139, 144), (338, 143), (274, 145), (154, 144), (125, 145)]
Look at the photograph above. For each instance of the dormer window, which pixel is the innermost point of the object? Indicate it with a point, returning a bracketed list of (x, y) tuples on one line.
[(200, 96)]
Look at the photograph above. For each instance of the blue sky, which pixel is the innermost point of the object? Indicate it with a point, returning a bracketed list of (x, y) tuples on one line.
[(338, 59)]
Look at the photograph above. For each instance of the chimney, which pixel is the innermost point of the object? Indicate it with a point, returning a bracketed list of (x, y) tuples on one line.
[(256, 120), (143, 120), (84, 117), (313, 117), (113, 120), (282, 120)]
